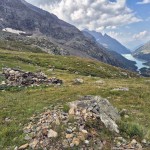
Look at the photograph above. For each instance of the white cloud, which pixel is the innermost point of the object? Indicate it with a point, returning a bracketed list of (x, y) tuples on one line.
[(144, 2), (111, 27), (129, 40), (115, 35), (141, 35), (92, 14)]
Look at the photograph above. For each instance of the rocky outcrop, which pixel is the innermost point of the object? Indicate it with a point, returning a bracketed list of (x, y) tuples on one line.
[(101, 108), (16, 77), (77, 125), (74, 125)]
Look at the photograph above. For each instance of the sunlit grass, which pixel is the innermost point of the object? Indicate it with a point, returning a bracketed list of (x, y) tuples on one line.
[(19, 106)]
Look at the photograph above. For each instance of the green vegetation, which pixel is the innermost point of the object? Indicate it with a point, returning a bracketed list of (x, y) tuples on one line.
[(20, 105), (132, 130), (66, 108), (19, 46), (33, 61)]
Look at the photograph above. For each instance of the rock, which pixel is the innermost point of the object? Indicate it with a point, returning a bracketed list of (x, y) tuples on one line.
[(78, 81), (76, 141), (72, 111), (123, 112), (76, 72), (11, 72), (100, 145), (90, 108), (23, 147), (126, 116), (51, 70), (69, 131), (57, 122), (84, 111), (34, 143), (16, 77), (52, 134), (16, 148), (74, 129), (65, 144), (8, 120), (120, 139), (84, 131), (133, 142), (94, 110), (45, 132), (3, 83), (100, 82), (109, 123), (121, 89), (86, 142), (69, 136), (144, 141), (71, 145), (77, 113), (118, 144), (81, 136), (27, 137), (102, 108), (138, 146)]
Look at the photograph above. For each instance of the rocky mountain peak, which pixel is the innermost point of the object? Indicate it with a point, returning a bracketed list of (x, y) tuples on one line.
[(109, 42)]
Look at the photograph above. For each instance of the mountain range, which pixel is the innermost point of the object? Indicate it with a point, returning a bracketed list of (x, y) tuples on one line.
[(143, 52), (46, 30), (108, 42), (62, 89)]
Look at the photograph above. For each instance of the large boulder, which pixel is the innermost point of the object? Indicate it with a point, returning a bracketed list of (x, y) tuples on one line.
[(101, 107)]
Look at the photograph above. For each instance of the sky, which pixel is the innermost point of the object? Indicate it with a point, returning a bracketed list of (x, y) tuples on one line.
[(128, 21)]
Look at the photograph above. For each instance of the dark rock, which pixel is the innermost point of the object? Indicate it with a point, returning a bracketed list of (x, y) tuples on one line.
[(16, 77)]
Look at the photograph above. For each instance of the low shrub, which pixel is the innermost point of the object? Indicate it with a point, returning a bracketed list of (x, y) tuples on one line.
[(131, 129)]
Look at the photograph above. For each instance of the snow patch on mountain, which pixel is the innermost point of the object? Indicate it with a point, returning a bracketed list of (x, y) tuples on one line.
[(13, 31)]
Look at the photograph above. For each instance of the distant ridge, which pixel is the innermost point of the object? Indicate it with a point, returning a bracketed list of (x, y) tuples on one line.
[(109, 42), (143, 52)]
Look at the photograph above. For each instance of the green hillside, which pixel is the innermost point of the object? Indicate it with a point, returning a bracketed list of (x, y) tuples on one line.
[(19, 104), (68, 64)]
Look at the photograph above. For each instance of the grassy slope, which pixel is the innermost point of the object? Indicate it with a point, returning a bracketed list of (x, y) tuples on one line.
[(20, 105)]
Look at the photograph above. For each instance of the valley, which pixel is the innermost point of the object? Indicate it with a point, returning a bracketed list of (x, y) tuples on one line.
[(66, 80), (18, 104), (139, 62)]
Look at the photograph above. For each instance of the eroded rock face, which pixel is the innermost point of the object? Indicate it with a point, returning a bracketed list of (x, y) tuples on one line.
[(102, 108), (16, 77)]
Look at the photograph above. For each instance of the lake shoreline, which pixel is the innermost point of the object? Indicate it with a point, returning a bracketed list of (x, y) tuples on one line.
[(138, 62)]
